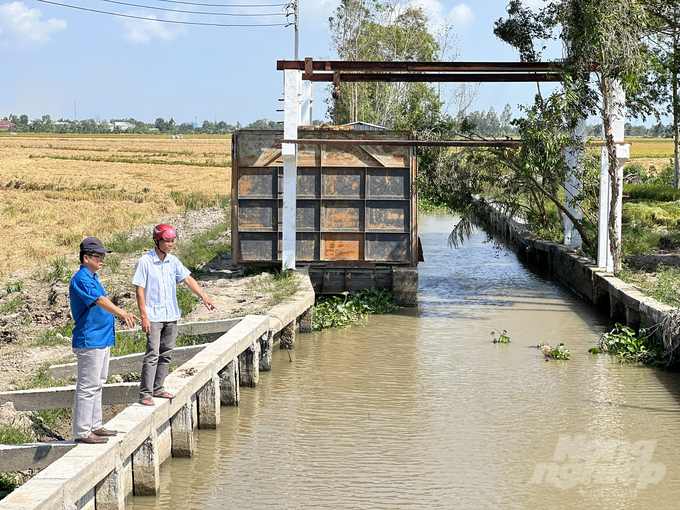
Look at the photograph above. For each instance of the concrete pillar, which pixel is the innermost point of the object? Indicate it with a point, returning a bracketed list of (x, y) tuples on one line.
[(287, 336), (182, 429), (617, 310), (572, 186), (145, 467), (266, 343), (87, 502), (307, 98), (209, 404), (229, 387), (249, 361), (405, 286), (633, 319), (306, 320), (291, 118), (618, 119), (110, 492)]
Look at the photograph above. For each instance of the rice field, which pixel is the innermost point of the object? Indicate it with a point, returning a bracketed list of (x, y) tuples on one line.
[(56, 190)]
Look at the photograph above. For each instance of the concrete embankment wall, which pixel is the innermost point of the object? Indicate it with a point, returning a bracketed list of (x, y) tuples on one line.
[(102, 476), (622, 301)]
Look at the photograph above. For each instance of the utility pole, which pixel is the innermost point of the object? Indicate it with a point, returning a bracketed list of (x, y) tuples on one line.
[(75, 111), (297, 28)]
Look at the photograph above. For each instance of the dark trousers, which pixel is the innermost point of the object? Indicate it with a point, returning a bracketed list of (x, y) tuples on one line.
[(159, 346)]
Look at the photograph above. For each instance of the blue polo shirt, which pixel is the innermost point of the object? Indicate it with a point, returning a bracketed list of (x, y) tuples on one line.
[(95, 327), (159, 280)]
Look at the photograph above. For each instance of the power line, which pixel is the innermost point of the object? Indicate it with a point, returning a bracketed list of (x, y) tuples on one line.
[(193, 12), (164, 20), (223, 5)]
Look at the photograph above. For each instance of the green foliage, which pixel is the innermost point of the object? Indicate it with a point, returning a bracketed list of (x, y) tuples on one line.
[(428, 205), (186, 300), (560, 352), (280, 287), (204, 247), (15, 434), (193, 201), (340, 311), (657, 192), (378, 30), (50, 338), (623, 343), (503, 337), (56, 271), (129, 344), (663, 284), (51, 417), (11, 287), (112, 263), (637, 171), (42, 379), (12, 305), (666, 176), (124, 243)]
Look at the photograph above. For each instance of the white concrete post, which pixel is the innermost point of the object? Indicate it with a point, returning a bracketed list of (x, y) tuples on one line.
[(618, 119), (307, 103), (146, 467), (291, 119), (209, 404), (572, 186)]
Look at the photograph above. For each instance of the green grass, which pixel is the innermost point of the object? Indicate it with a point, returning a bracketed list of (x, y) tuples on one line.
[(194, 201), (662, 285), (49, 338), (56, 271), (126, 344), (15, 434), (50, 417), (281, 286), (11, 306), (654, 192), (124, 243), (11, 287), (42, 379), (204, 247), (186, 300)]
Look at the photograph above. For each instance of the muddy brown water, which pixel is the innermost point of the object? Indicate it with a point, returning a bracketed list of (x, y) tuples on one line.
[(420, 409)]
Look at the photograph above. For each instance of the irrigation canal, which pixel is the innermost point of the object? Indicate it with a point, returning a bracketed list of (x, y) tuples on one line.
[(421, 410)]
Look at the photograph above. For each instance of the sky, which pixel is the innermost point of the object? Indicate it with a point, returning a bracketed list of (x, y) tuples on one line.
[(75, 64)]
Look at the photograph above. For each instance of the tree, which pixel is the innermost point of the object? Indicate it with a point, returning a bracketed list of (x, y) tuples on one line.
[(506, 119), (383, 31), (605, 33)]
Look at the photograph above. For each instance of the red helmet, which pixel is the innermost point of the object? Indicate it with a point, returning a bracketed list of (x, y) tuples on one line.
[(164, 232)]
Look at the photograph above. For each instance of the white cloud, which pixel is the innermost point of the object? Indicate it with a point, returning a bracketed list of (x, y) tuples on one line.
[(534, 4), (139, 31), (22, 26), (462, 15)]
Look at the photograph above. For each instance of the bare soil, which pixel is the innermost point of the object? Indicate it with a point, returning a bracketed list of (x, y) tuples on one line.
[(44, 306)]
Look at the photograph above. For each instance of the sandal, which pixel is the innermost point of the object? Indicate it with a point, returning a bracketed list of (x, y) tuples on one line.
[(146, 401), (164, 394)]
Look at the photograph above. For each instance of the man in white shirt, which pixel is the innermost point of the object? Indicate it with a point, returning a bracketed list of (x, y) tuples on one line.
[(156, 277)]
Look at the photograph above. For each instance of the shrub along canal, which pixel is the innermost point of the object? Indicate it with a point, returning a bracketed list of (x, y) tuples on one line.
[(420, 409)]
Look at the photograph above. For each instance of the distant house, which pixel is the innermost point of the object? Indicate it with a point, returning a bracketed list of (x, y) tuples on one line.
[(121, 126), (365, 126), (5, 124)]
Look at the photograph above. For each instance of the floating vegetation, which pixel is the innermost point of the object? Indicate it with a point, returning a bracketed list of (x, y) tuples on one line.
[(560, 352), (341, 311), (503, 337), (629, 348)]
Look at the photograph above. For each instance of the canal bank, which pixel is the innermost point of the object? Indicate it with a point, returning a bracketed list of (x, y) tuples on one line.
[(622, 301), (103, 476), (419, 409)]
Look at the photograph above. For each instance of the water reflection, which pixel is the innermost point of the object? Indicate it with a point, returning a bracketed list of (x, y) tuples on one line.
[(421, 410)]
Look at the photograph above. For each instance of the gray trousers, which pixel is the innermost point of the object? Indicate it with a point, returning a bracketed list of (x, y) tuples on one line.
[(159, 346), (93, 367)]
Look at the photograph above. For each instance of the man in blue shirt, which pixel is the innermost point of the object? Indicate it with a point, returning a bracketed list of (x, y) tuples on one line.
[(93, 336), (156, 277)]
